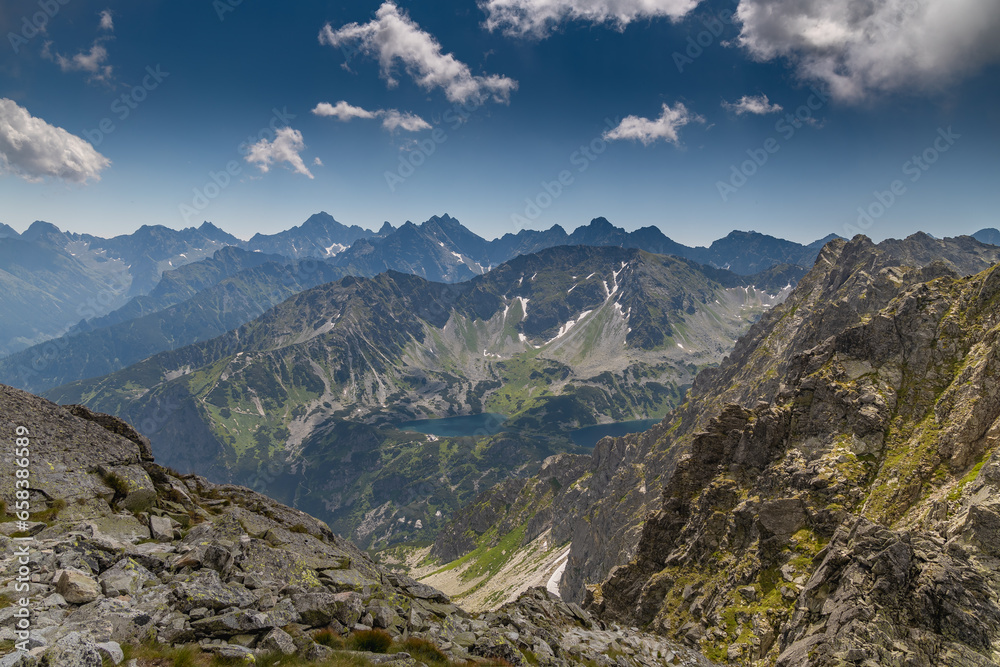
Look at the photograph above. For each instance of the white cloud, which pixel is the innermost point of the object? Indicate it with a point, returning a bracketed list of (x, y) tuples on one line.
[(759, 105), (93, 61), (90, 61), (341, 111), (860, 48), (649, 131), (393, 36), (317, 162), (392, 119), (286, 147), (33, 149), (539, 17)]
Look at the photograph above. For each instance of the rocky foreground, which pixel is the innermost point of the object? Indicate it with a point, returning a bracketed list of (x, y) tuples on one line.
[(122, 552)]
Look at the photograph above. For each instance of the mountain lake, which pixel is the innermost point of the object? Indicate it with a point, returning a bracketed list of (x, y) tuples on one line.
[(487, 423), (590, 435)]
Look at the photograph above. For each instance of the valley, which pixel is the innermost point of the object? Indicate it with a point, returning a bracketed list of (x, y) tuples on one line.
[(304, 402)]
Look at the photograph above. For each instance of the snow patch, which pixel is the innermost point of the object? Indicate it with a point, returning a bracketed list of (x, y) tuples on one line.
[(335, 249), (552, 585), (564, 329)]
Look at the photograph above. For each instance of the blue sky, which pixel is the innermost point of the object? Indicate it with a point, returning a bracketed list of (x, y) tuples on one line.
[(650, 112)]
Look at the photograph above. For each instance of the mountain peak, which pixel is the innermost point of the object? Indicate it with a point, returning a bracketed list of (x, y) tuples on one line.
[(38, 229), (386, 229), (600, 223), (989, 236), (321, 218)]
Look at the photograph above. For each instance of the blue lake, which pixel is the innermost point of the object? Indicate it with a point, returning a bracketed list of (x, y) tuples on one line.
[(487, 423), (590, 435)]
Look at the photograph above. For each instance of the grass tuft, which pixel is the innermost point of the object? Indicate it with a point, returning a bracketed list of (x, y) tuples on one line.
[(374, 641)]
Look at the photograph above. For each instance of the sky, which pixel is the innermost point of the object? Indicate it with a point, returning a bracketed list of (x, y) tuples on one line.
[(796, 118)]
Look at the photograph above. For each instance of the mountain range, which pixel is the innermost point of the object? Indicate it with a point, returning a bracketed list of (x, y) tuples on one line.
[(821, 488), (307, 398), (179, 266)]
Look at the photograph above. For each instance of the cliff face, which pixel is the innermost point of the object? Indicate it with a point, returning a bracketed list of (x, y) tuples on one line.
[(122, 552), (838, 498)]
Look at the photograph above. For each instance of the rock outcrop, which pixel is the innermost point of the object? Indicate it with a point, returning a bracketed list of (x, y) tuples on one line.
[(120, 551), (840, 505)]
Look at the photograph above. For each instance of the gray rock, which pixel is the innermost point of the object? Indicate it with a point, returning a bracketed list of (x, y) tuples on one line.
[(112, 651), (233, 623), (314, 652), (109, 620), (18, 659), (277, 641), (161, 529), (126, 577), (206, 589), (77, 588), (318, 609), (232, 652), (73, 650), (494, 645)]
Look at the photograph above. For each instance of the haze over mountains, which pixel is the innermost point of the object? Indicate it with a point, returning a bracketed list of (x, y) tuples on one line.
[(61, 284)]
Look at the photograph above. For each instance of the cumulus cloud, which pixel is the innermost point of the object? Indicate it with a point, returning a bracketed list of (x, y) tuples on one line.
[(33, 149), (342, 111), (759, 105), (107, 22), (393, 36), (649, 131), (392, 119), (860, 48), (286, 147), (539, 17)]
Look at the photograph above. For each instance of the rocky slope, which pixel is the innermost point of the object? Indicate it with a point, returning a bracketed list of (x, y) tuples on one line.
[(853, 415), (844, 514), (120, 552)]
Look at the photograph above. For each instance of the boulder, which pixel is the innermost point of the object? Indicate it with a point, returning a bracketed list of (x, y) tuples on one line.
[(112, 651), (205, 589), (277, 641), (161, 529), (349, 580), (493, 645), (126, 577), (73, 650), (77, 587), (233, 623), (318, 609)]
